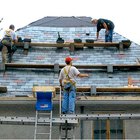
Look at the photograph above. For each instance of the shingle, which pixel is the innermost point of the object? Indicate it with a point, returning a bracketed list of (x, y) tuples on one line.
[(63, 22), (21, 81)]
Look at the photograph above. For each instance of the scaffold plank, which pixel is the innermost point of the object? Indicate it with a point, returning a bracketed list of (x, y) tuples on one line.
[(31, 120), (72, 119), (101, 116), (84, 67), (67, 44), (98, 98)]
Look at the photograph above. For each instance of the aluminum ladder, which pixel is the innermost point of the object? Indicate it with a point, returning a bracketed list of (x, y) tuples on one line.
[(42, 115), (43, 110)]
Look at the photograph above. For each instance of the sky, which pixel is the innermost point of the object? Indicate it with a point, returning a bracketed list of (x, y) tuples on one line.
[(124, 13)]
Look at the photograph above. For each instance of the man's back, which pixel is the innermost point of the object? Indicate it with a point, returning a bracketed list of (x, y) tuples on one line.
[(10, 33), (8, 41), (71, 71), (109, 24)]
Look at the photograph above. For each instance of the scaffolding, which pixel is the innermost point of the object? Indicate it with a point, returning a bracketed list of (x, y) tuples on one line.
[(66, 122)]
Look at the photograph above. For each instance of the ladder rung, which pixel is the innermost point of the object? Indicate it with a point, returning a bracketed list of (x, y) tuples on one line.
[(47, 119), (44, 113), (66, 128), (42, 133), (43, 123), (66, 138)]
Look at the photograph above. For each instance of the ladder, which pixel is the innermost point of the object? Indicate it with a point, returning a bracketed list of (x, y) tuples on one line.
[(42, 115), (43, 110), (66, 127)]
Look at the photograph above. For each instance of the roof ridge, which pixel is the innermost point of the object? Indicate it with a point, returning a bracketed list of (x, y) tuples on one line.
[(60, 18), (81, 19), (49, 20)]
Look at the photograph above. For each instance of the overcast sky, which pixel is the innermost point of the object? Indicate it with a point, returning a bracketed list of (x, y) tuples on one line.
[(124, 13)]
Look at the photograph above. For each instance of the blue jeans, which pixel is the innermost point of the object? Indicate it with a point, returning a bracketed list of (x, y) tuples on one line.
[(109, 36), (68, 102)]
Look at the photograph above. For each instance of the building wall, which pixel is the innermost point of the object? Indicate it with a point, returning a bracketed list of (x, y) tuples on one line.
[(25, 131), (132, 129), (83, 130)]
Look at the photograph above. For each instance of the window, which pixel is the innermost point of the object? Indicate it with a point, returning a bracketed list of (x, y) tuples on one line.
[(108, 129)]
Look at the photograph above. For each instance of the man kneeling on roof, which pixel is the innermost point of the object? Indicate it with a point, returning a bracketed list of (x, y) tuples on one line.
[(8, 42), (67, 79)]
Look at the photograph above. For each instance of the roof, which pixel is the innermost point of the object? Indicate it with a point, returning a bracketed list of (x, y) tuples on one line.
[(21, 81), (62, 22)]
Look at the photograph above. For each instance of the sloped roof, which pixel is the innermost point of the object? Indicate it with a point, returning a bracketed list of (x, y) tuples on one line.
[(63, 22), (21, 81)]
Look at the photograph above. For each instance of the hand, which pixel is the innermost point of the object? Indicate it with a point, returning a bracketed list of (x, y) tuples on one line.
[(106, 32)]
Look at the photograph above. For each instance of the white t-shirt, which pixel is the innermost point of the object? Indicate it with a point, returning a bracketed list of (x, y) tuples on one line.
[(10, 33), (73, 72)]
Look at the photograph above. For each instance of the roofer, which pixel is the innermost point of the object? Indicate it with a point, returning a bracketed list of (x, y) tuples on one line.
[(8, 42), (67, 79), (106, 24)]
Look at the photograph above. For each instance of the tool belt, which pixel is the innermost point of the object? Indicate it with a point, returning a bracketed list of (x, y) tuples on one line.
[(68, 84), (7, 41)]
